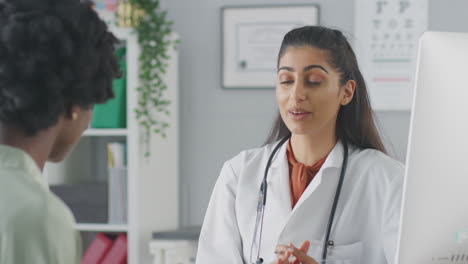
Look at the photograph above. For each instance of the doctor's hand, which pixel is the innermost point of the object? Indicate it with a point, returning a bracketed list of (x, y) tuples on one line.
[(292, 255), (282, 254), (300, 254)]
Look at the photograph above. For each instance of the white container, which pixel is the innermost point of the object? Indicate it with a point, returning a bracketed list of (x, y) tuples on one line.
[(173, 251), (117, 195)]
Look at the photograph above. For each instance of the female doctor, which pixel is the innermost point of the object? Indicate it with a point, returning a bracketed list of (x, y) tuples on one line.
[(331, 191)]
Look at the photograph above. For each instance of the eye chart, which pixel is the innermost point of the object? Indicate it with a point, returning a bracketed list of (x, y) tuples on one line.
[(386, 42)]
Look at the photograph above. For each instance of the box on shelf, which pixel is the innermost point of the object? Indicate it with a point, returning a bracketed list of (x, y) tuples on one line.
[(88, 202), (117, 170), (118, 252), (106, 249), (118, 195), (106, 10), (97, 250)]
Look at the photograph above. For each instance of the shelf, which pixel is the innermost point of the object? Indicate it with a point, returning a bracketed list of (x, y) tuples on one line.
[(101, 227), (122, 33), (105, 132)]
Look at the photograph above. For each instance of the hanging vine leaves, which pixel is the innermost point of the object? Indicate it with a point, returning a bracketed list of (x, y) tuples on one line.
[(154, 30)]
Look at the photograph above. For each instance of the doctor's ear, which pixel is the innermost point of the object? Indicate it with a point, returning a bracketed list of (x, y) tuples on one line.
[(347, 92)]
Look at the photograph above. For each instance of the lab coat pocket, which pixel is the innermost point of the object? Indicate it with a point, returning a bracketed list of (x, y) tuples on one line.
[(345, 254)]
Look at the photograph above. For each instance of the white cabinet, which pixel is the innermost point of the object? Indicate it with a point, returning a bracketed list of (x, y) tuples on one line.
[(152, 182)]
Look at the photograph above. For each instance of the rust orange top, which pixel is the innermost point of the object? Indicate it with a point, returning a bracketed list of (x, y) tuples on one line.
[(300, 175)]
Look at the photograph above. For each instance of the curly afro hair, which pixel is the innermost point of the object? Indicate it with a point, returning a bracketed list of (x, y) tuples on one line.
[(53, 54)]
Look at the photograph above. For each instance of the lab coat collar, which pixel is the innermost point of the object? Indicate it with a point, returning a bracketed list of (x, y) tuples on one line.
[(334, 159), (278, 177), (280, 157)]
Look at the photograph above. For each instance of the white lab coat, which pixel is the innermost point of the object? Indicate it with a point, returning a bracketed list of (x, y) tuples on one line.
[(366, 221)]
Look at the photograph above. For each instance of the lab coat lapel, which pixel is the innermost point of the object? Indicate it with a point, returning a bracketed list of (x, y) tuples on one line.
[(308, 219), (333, 161), (279, 196), (278, 183)]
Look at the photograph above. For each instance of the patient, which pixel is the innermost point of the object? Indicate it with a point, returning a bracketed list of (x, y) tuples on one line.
[(56, 61)]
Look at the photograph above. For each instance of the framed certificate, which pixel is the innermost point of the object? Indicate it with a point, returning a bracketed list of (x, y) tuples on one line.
[(251, 40)]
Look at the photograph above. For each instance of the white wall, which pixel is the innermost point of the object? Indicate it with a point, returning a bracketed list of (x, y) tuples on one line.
[(217, 123)]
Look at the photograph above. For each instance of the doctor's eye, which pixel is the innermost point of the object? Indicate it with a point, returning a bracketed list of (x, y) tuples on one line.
[(287, 82), (314, 83)]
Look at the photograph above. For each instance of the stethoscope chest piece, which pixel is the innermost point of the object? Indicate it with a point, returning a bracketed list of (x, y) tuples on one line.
[(331, 245)]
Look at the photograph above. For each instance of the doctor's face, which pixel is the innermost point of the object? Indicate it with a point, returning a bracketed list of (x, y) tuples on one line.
[(308, 91)]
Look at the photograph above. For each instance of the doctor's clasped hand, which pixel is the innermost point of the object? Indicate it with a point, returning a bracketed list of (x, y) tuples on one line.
[(291, 255)]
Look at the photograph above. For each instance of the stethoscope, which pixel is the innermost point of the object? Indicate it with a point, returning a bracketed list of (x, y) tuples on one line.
[(328, 243)]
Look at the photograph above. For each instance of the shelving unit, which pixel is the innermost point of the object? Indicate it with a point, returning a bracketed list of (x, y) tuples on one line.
[(105, 132), (111, 228), (152, 189)]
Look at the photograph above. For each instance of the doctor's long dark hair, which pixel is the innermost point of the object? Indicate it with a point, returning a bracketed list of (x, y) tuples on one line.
[(355, 122)]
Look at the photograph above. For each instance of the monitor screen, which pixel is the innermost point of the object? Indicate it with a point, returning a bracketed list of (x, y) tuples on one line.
[(434, 219)]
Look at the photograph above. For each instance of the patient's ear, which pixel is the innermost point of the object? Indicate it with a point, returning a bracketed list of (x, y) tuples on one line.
[(72, 123)]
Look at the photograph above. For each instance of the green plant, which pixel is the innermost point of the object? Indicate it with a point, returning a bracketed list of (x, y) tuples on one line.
[(154, 37)]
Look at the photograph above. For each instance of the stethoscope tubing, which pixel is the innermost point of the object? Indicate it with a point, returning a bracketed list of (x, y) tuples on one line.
[(262, 201), (263, 194), (335, 202)]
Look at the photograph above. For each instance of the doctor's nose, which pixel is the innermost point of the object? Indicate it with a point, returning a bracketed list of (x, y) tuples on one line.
[(298, 92)]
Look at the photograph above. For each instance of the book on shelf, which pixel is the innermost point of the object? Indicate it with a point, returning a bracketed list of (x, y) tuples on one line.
[(118, 252), (97, 250), (113, 113), (117, 169)]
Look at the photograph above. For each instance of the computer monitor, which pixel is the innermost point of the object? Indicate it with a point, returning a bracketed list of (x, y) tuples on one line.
[(434, 219)]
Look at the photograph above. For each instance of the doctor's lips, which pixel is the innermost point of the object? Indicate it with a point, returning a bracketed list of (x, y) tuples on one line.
[(298, 114)]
